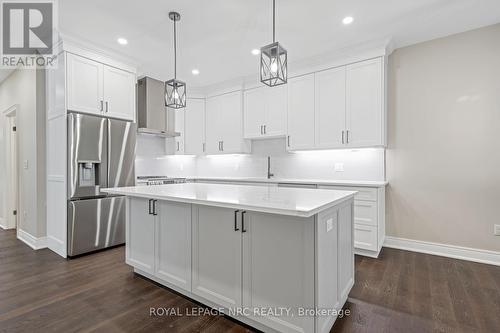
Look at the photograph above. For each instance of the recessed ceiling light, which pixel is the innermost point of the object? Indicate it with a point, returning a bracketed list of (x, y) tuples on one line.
[(255, 51), (122, 41), (348, 20), (195, 71)]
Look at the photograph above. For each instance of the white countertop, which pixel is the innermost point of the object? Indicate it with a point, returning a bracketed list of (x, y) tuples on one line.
[(277, 200), (360, 183)]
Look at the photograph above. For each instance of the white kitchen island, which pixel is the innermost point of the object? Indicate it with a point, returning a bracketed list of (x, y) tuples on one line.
[(278, 259)]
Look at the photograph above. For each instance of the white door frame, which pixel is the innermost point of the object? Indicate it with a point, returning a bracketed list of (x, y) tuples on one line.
[(11, 202)]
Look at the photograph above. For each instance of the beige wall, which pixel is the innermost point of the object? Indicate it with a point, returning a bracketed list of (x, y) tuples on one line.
[(21, 88), (443, 160)]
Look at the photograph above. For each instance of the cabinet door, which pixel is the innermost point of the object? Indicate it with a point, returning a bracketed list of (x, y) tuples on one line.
[(346, 250), (140, 234), (365, 104), (231, 122), (275, 124), (212, 130), (173, 243), (330, 108), (179, 127), (254, 112), (279, 248), (216, 256), (194, 125), (301, 112), (84, 85), (119, 93)]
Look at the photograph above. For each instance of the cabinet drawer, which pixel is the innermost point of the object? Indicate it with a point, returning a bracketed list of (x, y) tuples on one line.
[(365, 212), (364, 193), (365, 237)]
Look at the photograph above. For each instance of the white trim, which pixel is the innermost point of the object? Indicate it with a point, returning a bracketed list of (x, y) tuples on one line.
[(3, 225), (32, 241), (445, 250), (57, 246), (366, 253)]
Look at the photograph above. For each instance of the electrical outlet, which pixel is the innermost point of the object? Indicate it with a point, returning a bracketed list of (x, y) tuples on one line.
[(25, 164), (329, 225), (339, 167), (496, 230)]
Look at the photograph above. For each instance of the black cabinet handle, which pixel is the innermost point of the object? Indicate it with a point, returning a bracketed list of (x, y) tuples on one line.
[(154, 207), (243, 221), (236, 220), (150, 210)]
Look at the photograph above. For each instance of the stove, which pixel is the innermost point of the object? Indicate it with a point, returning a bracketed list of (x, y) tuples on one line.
[(159, 180)]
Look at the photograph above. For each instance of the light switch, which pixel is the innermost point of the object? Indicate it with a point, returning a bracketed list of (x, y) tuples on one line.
[(339, 167), (25, 164), (329, 225)]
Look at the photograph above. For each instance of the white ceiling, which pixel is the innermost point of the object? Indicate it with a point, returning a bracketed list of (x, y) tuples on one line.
[(216, 36)]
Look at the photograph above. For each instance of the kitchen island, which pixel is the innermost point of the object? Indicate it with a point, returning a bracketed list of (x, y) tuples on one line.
[(277, 259)]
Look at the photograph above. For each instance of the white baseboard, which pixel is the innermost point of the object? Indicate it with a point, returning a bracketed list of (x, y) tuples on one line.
[(444, 250), (57, 246), (32, 241), (3, 224)]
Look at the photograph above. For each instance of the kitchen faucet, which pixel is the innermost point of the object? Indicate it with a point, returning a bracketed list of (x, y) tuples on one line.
[(269, 174)]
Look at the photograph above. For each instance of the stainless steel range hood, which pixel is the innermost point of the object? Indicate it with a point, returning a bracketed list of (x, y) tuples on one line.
[(152, 116)]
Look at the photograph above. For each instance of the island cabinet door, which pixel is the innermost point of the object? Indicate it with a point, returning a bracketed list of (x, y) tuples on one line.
[(140, 235), (217, 255), (278, 269), (346, 250), (173, 243)]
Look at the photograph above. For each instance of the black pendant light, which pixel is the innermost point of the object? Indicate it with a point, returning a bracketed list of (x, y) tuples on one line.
[(273, 60), (175, 90)]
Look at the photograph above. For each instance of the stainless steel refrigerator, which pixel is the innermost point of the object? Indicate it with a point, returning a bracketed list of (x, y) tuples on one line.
[(101, 154)]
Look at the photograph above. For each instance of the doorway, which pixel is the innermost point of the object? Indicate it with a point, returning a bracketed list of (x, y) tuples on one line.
[(11, 192)]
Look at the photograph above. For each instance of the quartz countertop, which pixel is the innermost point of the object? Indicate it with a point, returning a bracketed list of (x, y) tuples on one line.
[(301, 202), (360, 183)]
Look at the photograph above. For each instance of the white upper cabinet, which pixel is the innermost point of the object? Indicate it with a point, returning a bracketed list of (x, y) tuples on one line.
[(301, 112), (84, 85), (277, 102), (119, 93), (96, 88), (254, 112), (224, 124), (194, 126), (179, 127), (212, 133), (330, 115), (365, 122), (347, 110), (265, 112)]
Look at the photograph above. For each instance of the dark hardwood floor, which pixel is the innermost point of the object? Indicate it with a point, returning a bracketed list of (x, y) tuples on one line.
[(399, 292)]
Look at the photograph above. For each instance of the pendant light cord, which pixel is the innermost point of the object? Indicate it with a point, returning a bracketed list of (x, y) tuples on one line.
[(274, 18), (175, 50)]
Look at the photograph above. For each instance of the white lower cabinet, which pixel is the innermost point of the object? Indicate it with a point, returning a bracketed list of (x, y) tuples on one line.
[(216, 256), (248, 263), (140, 237), (159, 240), (369, 218), (365, 237), (281, 247), (173, 243)]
